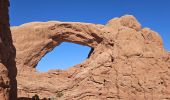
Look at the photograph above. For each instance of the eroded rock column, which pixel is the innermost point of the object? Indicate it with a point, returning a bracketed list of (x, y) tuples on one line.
[(8, 84)]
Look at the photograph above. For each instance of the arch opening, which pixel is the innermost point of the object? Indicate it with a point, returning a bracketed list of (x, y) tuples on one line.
[(63, 56)]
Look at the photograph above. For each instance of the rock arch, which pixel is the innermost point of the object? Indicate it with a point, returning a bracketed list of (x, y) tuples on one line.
[(125, 63), (41, 37)]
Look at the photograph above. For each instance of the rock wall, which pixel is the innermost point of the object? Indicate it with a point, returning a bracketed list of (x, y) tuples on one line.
[(128, 62), (8, 85)]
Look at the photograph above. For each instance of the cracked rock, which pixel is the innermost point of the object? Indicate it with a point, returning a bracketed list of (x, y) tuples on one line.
[(127, 62)]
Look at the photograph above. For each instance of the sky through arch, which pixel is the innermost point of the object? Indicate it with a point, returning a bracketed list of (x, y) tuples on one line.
[(63, 56)]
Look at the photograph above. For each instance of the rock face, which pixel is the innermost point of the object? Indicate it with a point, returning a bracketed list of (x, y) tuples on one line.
[(127, 61), (8, 85)]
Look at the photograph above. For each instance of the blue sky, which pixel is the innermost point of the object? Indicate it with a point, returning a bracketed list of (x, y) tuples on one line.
[(63, 56), (150, 13)]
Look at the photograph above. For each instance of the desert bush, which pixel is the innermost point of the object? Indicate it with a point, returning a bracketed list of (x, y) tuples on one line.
[(35, 97)]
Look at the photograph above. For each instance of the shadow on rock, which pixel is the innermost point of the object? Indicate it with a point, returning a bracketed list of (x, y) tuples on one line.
[(24, 98)]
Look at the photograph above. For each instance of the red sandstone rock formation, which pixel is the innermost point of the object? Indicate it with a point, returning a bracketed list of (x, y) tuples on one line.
[(128, 61), (8, 88)]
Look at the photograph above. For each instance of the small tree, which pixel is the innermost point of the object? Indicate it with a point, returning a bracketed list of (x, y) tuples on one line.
[(35, 97)]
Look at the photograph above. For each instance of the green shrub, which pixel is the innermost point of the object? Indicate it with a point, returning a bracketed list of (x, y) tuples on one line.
[(35, 97)]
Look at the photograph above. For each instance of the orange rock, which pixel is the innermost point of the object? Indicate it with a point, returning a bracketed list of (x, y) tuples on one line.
[(8, 88), (122, 65)]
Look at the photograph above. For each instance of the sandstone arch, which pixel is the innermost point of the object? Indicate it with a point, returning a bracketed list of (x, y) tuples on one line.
[(126, 62), (40, 38)]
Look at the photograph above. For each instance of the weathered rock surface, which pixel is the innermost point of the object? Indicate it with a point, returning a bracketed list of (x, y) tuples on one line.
[(128, 62), (8, 88)]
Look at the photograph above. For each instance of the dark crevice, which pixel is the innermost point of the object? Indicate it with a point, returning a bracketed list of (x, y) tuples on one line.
[(90, 53), (98, 39)]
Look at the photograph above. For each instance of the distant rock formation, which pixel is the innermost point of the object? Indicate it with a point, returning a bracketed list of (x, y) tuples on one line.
[(8, 85), (127, 62)]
